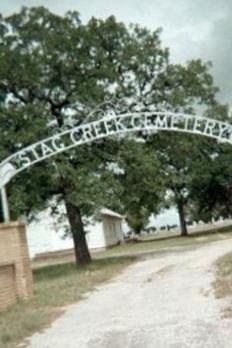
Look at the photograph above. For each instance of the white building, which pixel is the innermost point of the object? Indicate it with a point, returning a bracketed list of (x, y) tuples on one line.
[(45, 234), (107, 232)]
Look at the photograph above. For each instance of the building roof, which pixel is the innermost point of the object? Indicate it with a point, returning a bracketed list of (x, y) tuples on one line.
[(109, 212)]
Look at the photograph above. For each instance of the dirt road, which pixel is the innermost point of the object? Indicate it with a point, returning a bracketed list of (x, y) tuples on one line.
[(160, 302)]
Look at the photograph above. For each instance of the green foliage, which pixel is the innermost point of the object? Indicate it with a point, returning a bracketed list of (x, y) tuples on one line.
[(55, 70), (211, 188), (142, 188)]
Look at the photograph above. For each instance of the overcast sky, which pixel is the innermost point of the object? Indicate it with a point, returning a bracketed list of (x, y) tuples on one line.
[(191, 28)]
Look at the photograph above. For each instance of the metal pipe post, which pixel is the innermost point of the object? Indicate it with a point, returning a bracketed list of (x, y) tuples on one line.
[(5, 206)]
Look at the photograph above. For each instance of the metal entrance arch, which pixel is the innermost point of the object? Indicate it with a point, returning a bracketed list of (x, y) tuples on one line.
[(108, 125)]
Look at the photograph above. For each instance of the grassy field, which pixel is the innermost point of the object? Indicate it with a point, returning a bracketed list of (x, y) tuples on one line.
[(55, 287), (149, 244), (157, 243), (223, 283)]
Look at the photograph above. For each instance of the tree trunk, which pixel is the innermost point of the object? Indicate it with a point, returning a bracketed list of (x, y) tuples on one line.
[(81, 250), (183, 225)]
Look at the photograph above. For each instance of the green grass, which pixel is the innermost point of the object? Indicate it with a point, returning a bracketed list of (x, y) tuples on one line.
[(155, 243), (223, 282), (55, 287)]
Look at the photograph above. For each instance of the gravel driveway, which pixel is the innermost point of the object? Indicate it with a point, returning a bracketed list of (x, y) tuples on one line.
[(160, 302)]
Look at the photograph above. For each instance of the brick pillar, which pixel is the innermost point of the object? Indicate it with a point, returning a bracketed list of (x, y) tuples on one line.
[(15, 272)]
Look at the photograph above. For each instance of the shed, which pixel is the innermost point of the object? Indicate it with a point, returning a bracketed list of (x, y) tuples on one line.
[(107, 232)]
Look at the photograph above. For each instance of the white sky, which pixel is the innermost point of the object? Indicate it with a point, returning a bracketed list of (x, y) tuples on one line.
[(191, 28)]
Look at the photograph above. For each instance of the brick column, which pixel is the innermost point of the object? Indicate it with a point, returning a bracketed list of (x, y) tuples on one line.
[(15, 272)]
